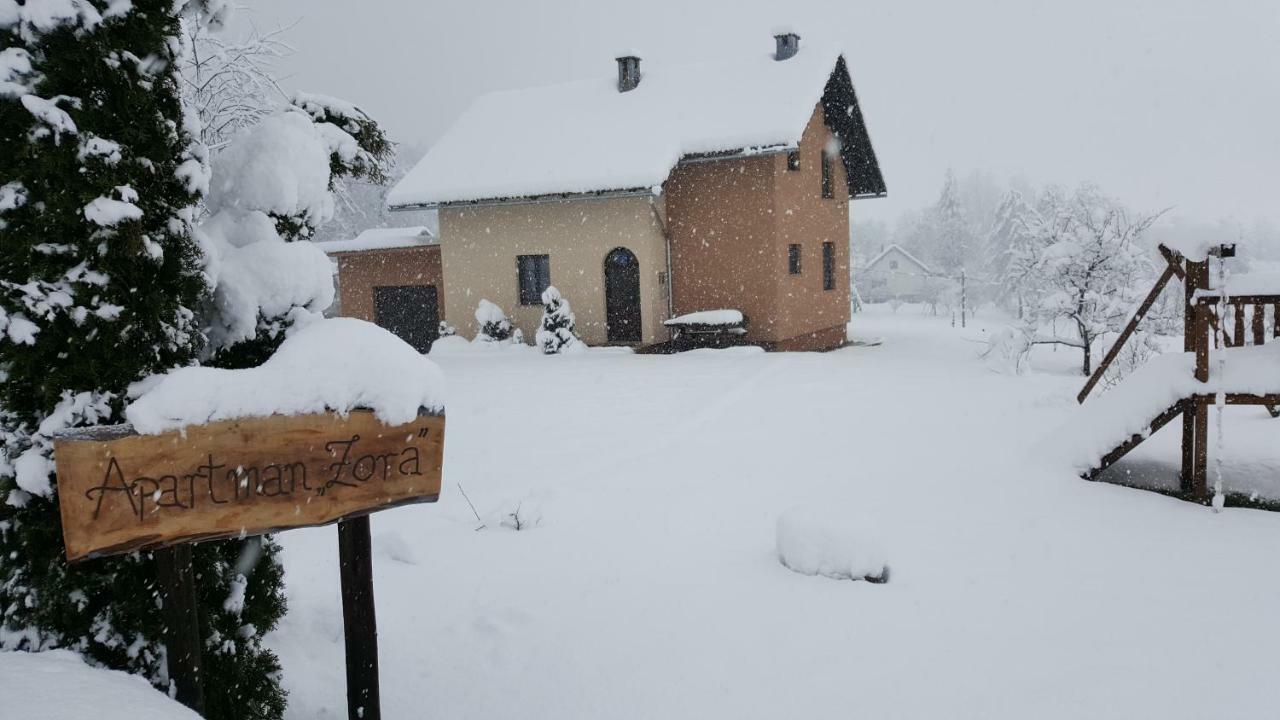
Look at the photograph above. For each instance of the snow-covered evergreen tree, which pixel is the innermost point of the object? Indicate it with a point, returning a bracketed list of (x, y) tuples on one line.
[(556, 332), (100, 283), (952, 229), (1014, 250), (493, 325), (271, 186)]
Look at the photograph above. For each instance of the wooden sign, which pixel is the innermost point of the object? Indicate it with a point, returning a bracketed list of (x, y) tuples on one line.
[(120, 491)]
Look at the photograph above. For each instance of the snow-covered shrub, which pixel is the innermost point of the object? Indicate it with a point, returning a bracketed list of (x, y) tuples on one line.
[(358, 148), (816, 540), (521, 515), (452, 345), (446, 330), (492, 324), (279, 167), (272, 185), (1008, 349), (556, 332), (1141, 347)]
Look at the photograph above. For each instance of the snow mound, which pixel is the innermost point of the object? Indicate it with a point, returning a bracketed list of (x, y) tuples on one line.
[(57, 684), (338, 364), (707, 317), (819, 541)]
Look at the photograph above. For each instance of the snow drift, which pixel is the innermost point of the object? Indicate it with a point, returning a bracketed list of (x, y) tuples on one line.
[(819, 541), (58, 684)]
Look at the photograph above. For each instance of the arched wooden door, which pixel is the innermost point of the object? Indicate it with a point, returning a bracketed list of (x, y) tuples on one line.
[(622, 295)]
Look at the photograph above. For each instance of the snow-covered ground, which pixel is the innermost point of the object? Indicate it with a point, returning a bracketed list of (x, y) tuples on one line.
[(58, 685), (646, 582)]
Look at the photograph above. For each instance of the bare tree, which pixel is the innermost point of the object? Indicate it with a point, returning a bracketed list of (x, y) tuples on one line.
[(230, 84), (1092, 264)]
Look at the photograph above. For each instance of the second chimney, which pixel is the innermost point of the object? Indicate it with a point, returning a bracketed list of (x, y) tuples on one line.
[(628, 73), (788, 45)]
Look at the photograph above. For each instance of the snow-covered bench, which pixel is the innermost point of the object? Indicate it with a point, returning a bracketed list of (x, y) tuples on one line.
[(707, 328)]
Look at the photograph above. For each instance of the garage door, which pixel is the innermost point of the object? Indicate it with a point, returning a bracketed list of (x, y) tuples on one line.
[(412, 312)]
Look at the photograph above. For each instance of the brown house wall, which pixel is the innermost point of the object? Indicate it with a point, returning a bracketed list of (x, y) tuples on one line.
[(731, 222), (721, 226), (360, 272), (806, 218)]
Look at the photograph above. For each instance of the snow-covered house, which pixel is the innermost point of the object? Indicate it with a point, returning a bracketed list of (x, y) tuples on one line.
[(670, 191), (895, 274), (392, 276)]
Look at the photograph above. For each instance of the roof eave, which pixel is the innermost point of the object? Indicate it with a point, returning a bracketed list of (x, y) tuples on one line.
[(528, 199)]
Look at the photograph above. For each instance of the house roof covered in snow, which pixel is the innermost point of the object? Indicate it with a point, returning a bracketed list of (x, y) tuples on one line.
[(896, 249), (586, 137), (383, 239)]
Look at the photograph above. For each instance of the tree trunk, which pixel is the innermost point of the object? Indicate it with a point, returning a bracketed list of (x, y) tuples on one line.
[(1086, 346)]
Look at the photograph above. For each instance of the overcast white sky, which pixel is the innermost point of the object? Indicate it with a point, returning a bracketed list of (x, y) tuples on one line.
[(1164, 103)]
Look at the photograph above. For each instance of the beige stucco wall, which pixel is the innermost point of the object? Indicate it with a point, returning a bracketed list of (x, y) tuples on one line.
[(479, 246), (907, 282)]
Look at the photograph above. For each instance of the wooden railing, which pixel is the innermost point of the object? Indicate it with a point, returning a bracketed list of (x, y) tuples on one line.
[(1242, 322)]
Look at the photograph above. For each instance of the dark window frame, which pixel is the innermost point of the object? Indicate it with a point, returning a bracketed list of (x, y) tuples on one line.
[(828, 266), (533, 276), (793, 160), (794, 262), (826, 175)]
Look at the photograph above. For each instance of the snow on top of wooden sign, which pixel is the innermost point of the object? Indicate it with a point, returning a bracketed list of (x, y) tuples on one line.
[(337, 364), (586, 136)]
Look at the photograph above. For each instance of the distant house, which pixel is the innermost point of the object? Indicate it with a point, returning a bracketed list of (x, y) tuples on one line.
[(896, 274), (392, 276), (721, 185)]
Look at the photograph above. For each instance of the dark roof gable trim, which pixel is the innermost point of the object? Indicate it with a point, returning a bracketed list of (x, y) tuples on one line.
[(844, 117)]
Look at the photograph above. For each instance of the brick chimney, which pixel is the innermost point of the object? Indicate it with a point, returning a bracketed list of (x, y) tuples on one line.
[(628, 73)]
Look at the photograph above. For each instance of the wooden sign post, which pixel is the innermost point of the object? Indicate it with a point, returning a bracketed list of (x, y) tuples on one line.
[(119, 492)]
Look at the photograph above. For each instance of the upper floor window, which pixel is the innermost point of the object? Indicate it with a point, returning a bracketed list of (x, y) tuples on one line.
[(534, 275), (828, 266), (793, 160), (893, 264), (793, 259), (826, 175)]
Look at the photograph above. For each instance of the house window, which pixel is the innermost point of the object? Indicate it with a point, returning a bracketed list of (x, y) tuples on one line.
[(826, 175), (893, 264), (828, 266), (793, 259), (534, 273), (793, 160)]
